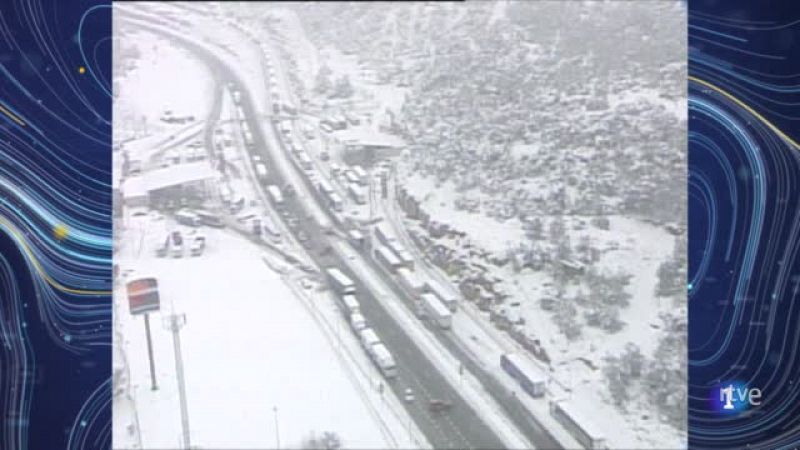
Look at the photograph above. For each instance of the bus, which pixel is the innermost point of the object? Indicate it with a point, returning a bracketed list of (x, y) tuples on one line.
[(436, 311), (210, 219), (356, 191), (400, 250), (324, 186), (586, 432), (341, 282), (445, 295), (383, 234), (529, 378), (410, 282), (187, 218), (386, 257)]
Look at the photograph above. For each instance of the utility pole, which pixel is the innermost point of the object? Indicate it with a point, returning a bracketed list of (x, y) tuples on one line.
[(277, 430), (174, 323)]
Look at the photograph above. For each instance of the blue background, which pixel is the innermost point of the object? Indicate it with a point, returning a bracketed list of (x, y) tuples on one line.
[(55, 167), (744, 220), (55, 163)]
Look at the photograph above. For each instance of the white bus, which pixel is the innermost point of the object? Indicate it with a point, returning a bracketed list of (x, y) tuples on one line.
[(410, 282), (324, 186), (436, 311), (187, 218), (400, 250), (383, 234), (578, 424), (386, 257), (445, 295), (356, 191), (529, 377)]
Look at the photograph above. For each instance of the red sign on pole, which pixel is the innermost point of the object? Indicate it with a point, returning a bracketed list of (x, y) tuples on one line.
[(143, 295)]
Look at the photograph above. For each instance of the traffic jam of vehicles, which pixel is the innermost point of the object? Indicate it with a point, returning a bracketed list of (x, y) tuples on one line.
[(431, 301)]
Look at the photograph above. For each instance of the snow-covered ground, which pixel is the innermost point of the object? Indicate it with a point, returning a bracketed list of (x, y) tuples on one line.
[(149, 91), (245, 330), (265, 360)]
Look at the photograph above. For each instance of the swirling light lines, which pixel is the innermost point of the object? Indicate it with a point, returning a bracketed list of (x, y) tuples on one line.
[(744, 227), (55, 228)]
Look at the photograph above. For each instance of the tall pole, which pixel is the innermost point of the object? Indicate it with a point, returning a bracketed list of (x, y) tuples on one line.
[(153, 385), (175, 322), (277, 430)]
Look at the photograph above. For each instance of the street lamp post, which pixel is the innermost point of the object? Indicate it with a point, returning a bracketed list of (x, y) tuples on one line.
[(174, 323)]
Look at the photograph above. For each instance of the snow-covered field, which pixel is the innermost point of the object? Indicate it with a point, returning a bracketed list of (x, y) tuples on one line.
[(149, 91), (245, 330)]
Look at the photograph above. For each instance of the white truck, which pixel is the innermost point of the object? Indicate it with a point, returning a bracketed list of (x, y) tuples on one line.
[(383, 234), (445, 295), (410, 282), (358, 322), (368, 339), (342, 284), (402, 253), (387, 258), (350, 304), (357, 193), (361, 174), (336, 202), (261, 171), (275, 194), (436, 311)]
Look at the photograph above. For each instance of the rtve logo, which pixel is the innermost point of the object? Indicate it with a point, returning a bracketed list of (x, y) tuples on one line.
[(735, 396)]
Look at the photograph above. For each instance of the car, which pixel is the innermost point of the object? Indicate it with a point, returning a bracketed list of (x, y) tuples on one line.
[(198, 245), (163, 249), (177, 250), (408, 395), (302, 236)]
